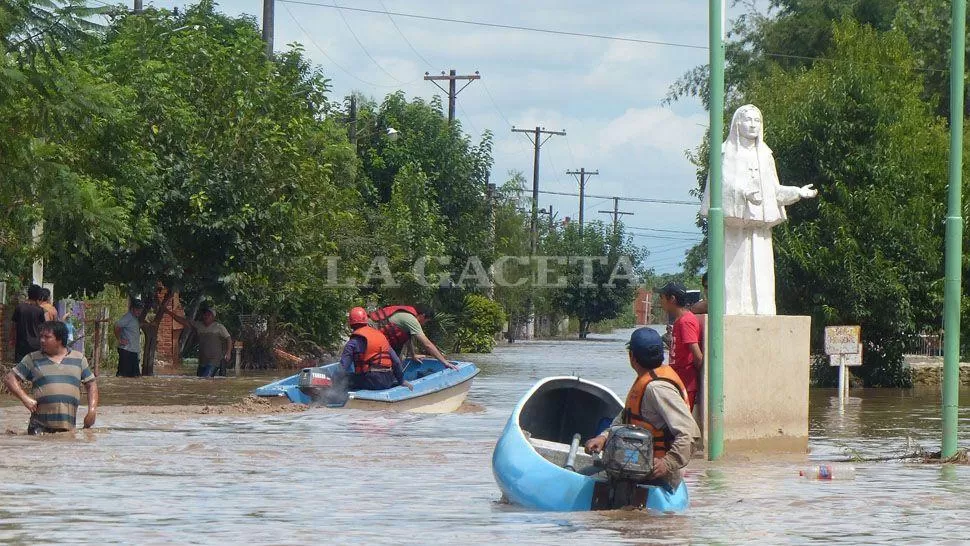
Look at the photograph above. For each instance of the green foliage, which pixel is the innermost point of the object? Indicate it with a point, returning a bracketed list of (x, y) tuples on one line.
[(868, 251), (602, 270), (481, 318)]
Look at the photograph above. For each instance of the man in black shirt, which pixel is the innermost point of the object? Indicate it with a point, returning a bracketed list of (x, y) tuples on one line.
[(27, 318)]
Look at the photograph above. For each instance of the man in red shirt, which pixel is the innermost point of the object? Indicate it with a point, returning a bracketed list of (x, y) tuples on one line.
[(686, 357)]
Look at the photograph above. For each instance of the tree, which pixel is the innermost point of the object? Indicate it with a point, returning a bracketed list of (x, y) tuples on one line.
[(54, 110), (602, 271), (241, 162), (455, 171), (869, 252)]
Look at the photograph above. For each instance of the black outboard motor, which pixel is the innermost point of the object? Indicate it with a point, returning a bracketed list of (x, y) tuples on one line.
[(322, 388), (628, 461)]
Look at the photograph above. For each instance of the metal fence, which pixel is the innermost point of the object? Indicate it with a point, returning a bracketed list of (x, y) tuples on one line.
[(926, 345)]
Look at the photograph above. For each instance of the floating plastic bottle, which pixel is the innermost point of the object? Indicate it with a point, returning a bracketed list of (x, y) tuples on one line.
[(828, 472)]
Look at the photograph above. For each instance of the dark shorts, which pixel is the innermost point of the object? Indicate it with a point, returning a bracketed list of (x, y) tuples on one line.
[(207, 370), (34, 428), (128, 363)]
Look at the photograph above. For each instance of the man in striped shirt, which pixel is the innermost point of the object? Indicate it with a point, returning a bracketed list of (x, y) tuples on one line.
[(57, 374)]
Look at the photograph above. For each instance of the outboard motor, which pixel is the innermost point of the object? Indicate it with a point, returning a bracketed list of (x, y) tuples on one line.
[(628, 461), (314, 383)]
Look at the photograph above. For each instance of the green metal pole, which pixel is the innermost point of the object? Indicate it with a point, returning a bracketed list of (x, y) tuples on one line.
[(715, 244), (954, 233)]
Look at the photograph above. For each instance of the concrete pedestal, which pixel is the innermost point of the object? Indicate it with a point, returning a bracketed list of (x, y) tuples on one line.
[(766, 382)]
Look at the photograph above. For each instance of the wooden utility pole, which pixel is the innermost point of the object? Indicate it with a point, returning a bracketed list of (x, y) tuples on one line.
[(616, 212), (352, 126), (269, 8), (583, 177), (537, 142), (490, 199), (452, 76)]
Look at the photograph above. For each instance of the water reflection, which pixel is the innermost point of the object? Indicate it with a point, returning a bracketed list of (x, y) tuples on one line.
[(387, 478)]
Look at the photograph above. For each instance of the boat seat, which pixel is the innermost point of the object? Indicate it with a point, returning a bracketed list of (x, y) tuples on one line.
[(556, 453)]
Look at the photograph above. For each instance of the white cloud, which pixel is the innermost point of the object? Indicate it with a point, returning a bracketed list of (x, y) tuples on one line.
[(657, 128)]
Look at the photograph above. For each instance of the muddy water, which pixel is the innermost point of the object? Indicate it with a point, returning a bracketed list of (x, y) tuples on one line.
[(161, 475)]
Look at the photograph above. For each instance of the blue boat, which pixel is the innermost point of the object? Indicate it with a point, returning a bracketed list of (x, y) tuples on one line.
[(538, 444), (437, 389)]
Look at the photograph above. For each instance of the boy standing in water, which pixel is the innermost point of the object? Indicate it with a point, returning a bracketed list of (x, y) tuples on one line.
[(686, 356)]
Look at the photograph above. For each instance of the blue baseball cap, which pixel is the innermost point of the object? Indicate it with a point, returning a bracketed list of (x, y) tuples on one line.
[(646, 346)]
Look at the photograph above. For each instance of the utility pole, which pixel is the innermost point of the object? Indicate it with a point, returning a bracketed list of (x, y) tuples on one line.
[(138, 6), (537, 143), (616, 212), (452, 76), (583, 177), (715, 240), (352, 126), (269, 7), (952, 288), (490, 199)]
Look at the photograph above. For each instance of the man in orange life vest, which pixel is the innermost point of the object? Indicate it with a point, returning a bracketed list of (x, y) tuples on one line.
[(657, 402), (367, 358), (401, 324)]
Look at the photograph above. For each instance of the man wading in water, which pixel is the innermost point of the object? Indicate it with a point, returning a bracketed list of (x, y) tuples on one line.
[(57, 374)]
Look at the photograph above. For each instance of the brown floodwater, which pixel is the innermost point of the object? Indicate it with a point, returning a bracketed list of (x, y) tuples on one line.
[(184, 460)]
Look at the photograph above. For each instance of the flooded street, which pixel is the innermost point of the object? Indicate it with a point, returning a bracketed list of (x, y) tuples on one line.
[(354, 477)]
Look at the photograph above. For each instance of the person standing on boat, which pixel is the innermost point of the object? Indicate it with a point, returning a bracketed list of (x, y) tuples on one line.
[(368, 360), (657, 402), (402, 324)]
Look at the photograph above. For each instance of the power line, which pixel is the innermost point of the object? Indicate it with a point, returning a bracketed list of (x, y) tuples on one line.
[(329, 58), (502, 26), (664, 230), (408, 42), (634, 199), (494, 104), (364, 49), (649, 236), (597, 36)]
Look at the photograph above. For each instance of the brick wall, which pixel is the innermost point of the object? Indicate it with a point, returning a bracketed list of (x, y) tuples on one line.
[(169, 331)]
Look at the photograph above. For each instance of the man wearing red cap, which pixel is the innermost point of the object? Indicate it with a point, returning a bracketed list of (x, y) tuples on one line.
[(368, 359)]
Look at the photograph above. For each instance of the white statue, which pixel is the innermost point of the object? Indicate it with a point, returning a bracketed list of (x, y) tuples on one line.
[(754, 201)]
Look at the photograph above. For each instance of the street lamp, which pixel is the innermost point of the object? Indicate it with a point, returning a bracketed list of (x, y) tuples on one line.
[(393, 134)]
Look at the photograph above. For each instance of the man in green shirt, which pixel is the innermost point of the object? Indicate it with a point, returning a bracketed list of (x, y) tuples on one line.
[(401, 324)]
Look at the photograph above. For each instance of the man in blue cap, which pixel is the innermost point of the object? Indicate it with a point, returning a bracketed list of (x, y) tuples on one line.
[(657, 402)]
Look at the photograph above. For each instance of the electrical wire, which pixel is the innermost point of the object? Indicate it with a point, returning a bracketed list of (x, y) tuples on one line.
[(329, 58), (597, 36), (364, 49), (633, 199), (408, 42), (503, 26)]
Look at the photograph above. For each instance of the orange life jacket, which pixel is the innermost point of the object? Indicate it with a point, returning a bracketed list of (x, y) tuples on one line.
[(377, 351), (396, 335), (662, 437)]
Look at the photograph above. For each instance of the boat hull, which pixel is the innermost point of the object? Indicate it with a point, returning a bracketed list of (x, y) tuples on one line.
[(436, 389), (552, 411)]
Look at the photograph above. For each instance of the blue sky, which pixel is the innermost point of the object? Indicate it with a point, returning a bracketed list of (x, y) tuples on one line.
[(606, 95)]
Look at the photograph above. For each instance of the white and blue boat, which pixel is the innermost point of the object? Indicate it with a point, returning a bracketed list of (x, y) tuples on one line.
[(437, 389), (539, 462)]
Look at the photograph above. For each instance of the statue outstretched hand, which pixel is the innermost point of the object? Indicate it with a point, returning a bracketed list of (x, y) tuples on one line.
[(753, 197), (807, 192)]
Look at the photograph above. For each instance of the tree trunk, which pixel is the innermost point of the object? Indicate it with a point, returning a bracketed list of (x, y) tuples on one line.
[(151, 332), (186, 336)]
